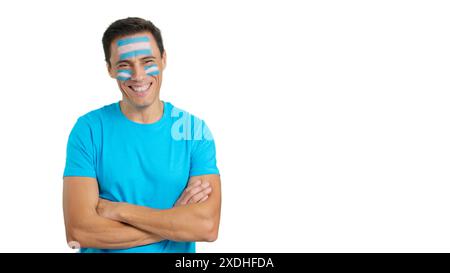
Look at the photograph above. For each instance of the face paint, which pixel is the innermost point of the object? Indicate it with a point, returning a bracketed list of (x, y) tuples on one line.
[(123, 74), (151, 70), (132, 47)]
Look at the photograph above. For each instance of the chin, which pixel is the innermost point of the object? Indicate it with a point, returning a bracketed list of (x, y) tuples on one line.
[(143, 104)]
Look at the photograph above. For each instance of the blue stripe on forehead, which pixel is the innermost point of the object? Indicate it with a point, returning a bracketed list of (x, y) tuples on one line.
[(127, 41), (135, 53)]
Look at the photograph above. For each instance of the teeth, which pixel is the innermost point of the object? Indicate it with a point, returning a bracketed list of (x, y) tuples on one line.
[(140, 88)]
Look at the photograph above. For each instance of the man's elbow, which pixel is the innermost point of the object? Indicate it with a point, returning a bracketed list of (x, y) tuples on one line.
[(76, 237), (211, 237), (211, 221), (211, 231), (73, 237)]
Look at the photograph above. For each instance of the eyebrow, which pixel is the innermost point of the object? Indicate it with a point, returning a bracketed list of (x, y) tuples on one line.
[(143, 58)]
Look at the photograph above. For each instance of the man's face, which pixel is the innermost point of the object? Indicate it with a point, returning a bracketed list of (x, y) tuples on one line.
[(137, 65)]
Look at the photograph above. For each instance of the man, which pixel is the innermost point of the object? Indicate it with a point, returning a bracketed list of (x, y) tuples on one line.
[(140, 174)]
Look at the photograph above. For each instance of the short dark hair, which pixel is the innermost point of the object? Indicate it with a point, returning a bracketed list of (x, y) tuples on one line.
[(129, 26)]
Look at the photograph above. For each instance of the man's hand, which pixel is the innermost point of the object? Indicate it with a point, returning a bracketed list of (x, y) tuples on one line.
[(196, 192), (108, 209)]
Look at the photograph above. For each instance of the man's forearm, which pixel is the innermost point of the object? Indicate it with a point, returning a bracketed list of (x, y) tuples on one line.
[(190, 223), (100, 232)]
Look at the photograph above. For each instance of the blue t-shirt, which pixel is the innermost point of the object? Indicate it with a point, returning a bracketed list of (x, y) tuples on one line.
[(141, 164)]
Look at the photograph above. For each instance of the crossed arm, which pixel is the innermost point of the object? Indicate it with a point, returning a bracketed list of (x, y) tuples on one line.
[(98, 223)]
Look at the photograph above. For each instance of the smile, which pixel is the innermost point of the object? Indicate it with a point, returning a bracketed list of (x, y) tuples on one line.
[(140, 88)]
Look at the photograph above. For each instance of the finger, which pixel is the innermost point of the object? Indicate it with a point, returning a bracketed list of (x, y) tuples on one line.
[(194, 191), (199, 196), (189, 193), (183, 198), (196, 199), (193, 185), (206, 194), (195, 182)]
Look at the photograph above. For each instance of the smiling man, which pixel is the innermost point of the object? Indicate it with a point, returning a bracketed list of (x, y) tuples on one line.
[(140, 174)]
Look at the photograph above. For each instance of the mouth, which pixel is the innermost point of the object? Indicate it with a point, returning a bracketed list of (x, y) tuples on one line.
[(140, 90)]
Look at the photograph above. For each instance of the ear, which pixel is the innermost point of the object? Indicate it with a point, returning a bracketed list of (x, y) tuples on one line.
[(163, 60), (110, 70)]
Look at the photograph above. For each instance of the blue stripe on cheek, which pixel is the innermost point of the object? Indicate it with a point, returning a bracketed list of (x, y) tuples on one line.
[(135, 53), (153, 73), (124, 71), (128, 41), (123, 78), (150, 66), (128, 71)]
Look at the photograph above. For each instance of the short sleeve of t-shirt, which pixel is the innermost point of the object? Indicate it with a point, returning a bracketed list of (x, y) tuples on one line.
[(203, 156), (80, 151)]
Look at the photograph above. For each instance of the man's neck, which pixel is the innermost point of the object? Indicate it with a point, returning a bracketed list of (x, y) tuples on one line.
[(144, 115)]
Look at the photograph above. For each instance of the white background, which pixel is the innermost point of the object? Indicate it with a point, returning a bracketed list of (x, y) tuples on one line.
[(331, 118)]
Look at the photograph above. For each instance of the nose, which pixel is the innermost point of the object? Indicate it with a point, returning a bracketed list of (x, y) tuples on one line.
[(138, 73)]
